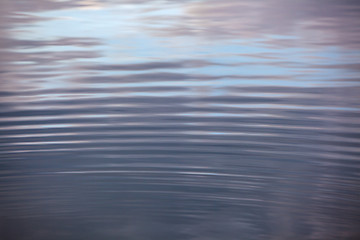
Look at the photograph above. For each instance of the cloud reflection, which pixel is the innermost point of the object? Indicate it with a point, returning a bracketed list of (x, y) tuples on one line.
[(196, 119), (275, 22)]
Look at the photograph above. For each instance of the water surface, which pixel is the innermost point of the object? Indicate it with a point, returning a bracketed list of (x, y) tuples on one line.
[(196, 119)]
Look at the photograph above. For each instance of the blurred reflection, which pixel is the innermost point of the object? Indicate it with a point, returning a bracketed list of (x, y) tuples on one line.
[(195, 119)]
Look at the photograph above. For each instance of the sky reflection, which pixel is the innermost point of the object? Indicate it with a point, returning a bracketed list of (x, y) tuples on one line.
[(195, 119)]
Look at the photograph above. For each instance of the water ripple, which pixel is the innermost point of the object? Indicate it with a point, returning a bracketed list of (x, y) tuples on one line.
[(179, 119)]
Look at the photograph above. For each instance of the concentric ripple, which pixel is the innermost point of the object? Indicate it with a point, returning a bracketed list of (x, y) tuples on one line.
[(195, 119)]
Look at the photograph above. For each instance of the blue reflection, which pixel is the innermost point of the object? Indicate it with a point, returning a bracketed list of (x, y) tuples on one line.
[(196, 119)]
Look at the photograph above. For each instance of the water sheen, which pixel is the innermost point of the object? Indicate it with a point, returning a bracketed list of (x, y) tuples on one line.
[(194, 119)]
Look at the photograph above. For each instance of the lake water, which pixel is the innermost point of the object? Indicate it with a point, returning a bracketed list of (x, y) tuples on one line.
[(191, 120)]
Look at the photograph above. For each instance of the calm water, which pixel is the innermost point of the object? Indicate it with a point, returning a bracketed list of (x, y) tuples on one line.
[(189, 120)]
